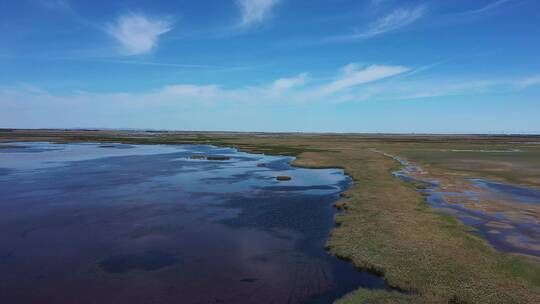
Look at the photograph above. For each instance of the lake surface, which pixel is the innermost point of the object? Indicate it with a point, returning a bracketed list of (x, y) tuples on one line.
[(114, 223)]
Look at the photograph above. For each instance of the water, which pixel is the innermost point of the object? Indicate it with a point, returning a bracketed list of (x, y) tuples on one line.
[(512, 192), (91, 223), (502, 231)]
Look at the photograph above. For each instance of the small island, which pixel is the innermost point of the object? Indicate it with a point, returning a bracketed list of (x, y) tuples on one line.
[(217, 157), (210, 157)]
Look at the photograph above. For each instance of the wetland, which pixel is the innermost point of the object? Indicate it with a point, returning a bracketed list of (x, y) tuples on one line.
[(419, 252)]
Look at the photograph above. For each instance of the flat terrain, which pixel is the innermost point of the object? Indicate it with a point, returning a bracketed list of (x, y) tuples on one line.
[(386, 226)]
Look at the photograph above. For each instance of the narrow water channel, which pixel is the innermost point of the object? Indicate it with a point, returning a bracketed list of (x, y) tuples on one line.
[(501, 228)]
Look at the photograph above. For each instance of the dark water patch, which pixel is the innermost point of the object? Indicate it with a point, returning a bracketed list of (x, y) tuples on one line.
[(298, 188), (4, 146), (5, 171), (209, 157), (147, 261), (217, 157), (302, 213), (116, 146), (24, 149)]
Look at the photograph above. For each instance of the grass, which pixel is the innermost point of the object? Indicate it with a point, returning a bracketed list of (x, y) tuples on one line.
[(387, 226), (377, 297), (521, 167)]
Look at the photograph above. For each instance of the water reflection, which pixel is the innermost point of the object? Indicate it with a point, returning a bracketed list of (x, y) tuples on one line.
[(91, 223)]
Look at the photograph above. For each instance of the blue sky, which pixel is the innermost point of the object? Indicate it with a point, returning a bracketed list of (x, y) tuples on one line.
[(272, 65)]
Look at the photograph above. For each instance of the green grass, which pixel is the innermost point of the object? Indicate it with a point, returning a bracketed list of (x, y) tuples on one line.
[(273, 149), (514, 167), (366, 296)]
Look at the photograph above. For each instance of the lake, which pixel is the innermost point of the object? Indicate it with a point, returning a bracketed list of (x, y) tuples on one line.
[(117, 223)]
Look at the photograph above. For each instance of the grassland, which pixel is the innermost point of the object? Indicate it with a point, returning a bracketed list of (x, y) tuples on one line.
[(507, 161), (386, 226)]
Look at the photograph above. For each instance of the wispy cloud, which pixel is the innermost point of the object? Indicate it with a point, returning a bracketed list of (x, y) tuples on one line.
[(352, 83), (529, 81), (352, 76), (168, 64), (396, 20), (439, 88), (490, 7), (295, 89), (407, 88), (255, 12), (136, 33)]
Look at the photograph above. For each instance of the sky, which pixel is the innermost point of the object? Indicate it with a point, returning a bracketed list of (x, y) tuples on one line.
[(385, 66)]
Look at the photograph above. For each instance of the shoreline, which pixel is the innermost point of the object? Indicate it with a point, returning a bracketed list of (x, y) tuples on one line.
[(325, 206)]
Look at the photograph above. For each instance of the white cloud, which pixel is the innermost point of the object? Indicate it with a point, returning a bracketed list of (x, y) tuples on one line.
[(174, 103), (136, 33), (255, 11), (394, 21), (352, 76), (284, 90), (284, 84)]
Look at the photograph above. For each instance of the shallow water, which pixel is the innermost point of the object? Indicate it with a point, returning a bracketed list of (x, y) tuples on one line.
[(503, 232), (91, 223), (512, 192)]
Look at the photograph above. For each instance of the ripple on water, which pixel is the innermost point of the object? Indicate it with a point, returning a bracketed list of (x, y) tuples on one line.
[(112, 223)]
